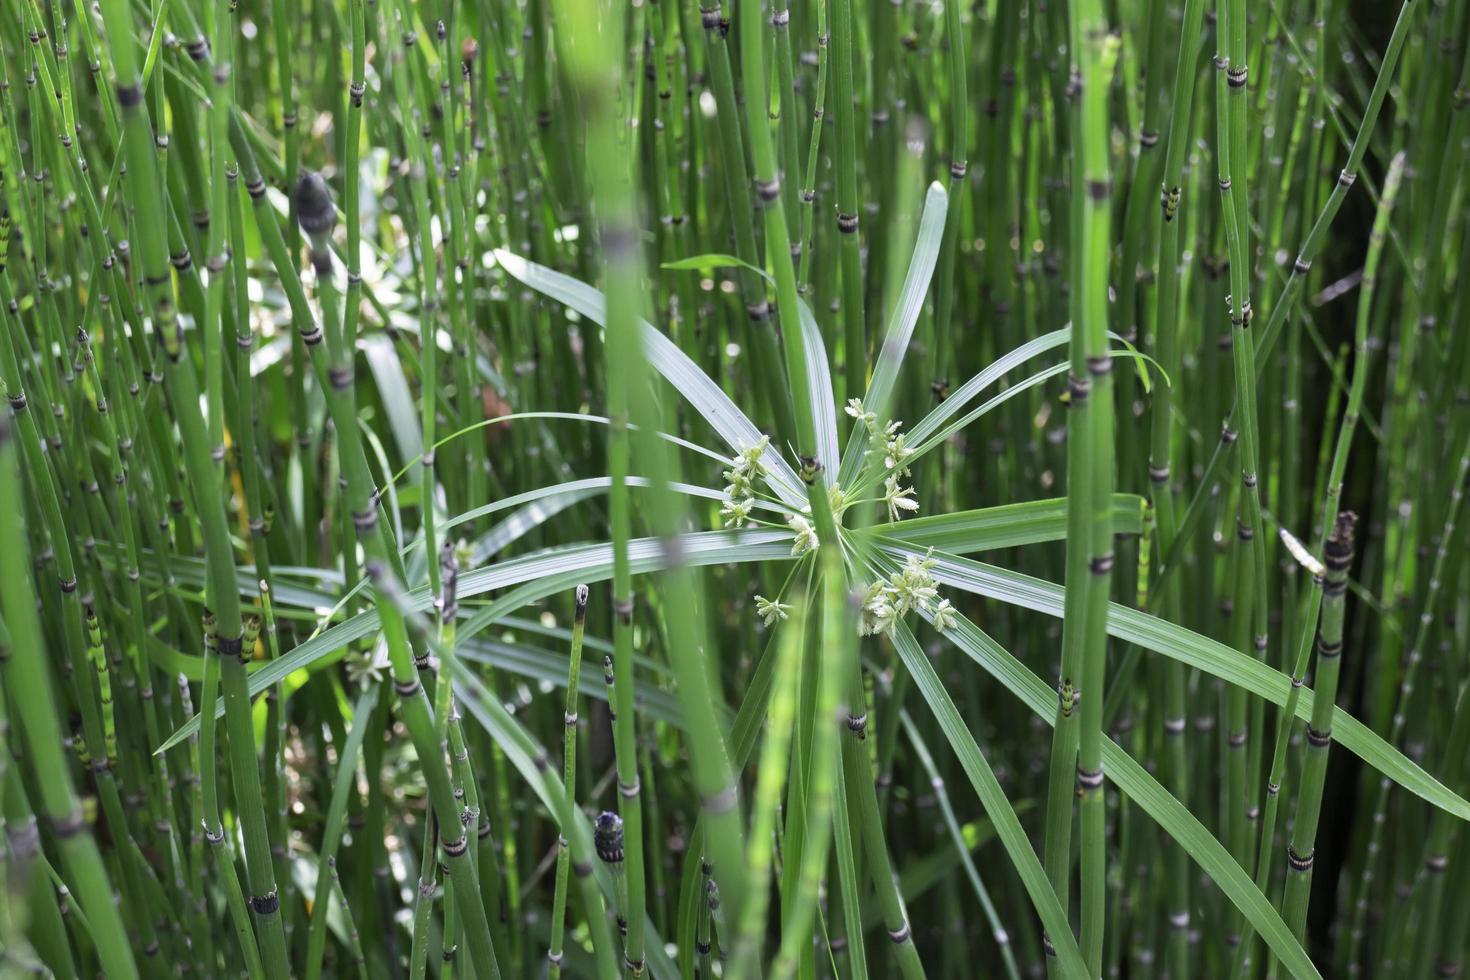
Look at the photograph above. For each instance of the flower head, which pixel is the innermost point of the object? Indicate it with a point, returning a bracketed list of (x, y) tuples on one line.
[(943, 616), (749, 458), (806, 535), (737, 512), (868, 419), (894, 449), (898, 498), (368, 667), (878, 615), (771, 610)]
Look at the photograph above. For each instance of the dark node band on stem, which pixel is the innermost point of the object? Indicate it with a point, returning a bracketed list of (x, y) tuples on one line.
[(858, 724), (1236, 76), (847, 224), (267, 904), (1089, 779), (1078, 389), (901, 935), (68, 826), (455, 848), (129, 96), (1319, 739), (1101, 564), (229, 646), (1299, 862), (1099, 189), (406, 689), (1327, 650)]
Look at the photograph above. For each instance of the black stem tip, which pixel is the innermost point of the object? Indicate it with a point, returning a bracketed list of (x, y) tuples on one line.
[(314, 207)]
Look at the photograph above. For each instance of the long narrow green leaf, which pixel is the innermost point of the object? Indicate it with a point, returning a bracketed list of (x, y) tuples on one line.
[(1216, 659), (683, 374), (1138, 785), (1002, 526), (540, 574), (993, 798), (901, 324)]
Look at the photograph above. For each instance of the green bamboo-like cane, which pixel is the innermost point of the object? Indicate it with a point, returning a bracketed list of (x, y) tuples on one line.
[(1315, 595), (750, 922), (342, 784), (569, 782), (28, 679), (622, 258), (1096, 57), (1076, 763), (1161, 427), (1265, 341), (179, 372), (849, 204), (807, 229), (761, 331), (1429, 604), (1249, 604), (837, 634), (380, 568), (1302, 849)]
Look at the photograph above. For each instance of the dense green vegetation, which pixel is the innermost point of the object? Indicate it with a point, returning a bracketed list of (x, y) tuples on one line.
[(803, 489)]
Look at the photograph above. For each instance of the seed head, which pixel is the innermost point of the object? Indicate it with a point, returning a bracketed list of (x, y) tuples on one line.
[(314, 208)]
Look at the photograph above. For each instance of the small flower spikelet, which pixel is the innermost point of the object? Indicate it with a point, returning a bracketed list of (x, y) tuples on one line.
[(894, 450), (943, 617), (368, 667), (898, 498), (737, 512), (806, 535), (877, 614), (740, 480), (771, 610), (883, 438), (910, 589), (868, 419)]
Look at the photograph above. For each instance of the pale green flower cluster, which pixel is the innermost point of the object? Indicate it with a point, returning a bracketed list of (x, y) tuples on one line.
[(887, 440), (771, 610), (910, 589), (740, 479)]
